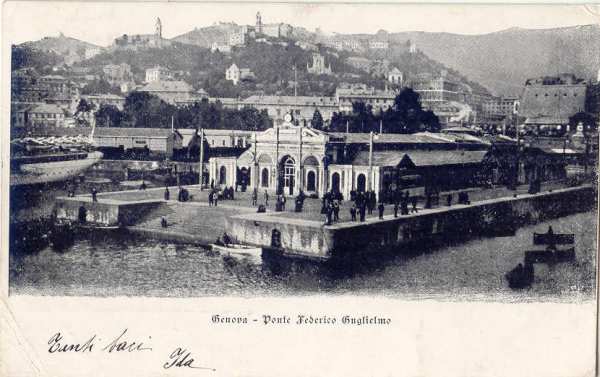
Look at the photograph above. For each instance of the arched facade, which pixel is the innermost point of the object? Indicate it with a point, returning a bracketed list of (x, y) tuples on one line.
[(311, 181), (264, 178), (222, 175), (361, 183)]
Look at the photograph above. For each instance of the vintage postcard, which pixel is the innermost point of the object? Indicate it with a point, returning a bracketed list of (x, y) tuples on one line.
[(299, 189)]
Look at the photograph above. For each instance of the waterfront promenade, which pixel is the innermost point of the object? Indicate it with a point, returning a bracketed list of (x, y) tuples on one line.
[(196, 222)]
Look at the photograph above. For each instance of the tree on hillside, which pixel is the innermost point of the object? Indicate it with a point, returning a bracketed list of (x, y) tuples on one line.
[(108, 116), (430, 121), (317, 120), (100, 86), (142, 109), (84, 106)]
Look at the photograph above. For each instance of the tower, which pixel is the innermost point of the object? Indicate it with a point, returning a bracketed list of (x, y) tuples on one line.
[(258, 23), (158, 28)]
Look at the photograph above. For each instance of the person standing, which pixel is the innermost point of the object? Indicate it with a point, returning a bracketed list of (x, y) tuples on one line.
[(328, 214), (353, 212), (254, 196), (406, 200), (380, 208), (363, 211), (210, 198), (215, 199), (414, 204), (266, 198), (336, 211), (167, 193), (396, 208), (94, 195), (283, 200)]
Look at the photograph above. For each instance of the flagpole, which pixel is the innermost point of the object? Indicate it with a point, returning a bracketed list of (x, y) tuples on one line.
[(201, 157)]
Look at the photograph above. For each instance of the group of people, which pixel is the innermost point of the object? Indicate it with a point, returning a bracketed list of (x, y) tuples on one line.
[(213, 198), (255, 197), (331, 209)]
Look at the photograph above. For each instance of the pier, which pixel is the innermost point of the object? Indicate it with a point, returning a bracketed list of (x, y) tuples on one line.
[(304, 235)]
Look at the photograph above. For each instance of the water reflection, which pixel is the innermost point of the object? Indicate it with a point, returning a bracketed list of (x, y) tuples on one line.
[(116, 263)]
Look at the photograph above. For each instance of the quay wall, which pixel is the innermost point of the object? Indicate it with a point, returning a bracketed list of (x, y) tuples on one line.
[(294, 239), (105, 212), (501, 216)]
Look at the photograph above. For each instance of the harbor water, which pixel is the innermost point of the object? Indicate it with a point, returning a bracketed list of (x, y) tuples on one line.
[(119, 264)]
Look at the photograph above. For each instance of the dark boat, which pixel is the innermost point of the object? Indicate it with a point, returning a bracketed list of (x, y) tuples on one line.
[(550, 256), (520, 276)]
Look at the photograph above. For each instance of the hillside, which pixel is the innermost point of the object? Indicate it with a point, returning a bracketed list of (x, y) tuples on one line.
[(502, 61), (72, 50), (272, 64), (205, 36)]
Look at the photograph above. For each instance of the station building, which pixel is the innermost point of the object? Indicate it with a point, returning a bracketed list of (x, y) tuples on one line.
[(289, 158)]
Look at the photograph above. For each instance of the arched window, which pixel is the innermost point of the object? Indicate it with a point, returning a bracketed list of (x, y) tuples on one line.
[(311, 181), (335, 182), (264, 178), (222, 175), (361, 183)]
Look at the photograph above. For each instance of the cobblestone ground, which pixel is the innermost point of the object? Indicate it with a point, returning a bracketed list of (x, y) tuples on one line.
[(242, 202)]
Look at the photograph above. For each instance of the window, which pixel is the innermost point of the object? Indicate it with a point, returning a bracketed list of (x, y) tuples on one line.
[(223, 142)]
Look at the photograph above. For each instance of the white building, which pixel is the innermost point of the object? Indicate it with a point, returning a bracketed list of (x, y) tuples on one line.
[(379, 45), (318, 66), (90, 52), (158, 73), (221, 47), (235, 74), (395, 76), (237, 39)]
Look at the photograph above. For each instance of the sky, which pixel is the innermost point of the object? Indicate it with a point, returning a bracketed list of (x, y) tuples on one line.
[(101, 22)]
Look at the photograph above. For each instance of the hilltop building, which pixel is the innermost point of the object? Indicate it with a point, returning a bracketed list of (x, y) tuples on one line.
[(276, 30), (318, 66), (221, 47), (549, 101), (412, 47), (137, 41), (90, 52), (237, 38), (378, 45)]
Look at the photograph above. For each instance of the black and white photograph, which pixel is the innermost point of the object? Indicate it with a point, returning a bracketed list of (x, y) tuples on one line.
[(199, 150)]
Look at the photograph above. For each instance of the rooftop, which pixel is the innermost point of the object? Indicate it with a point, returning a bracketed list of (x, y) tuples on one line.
[(290, 100), (132, 132), (47, 108), (167, 86), (420, 158)]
